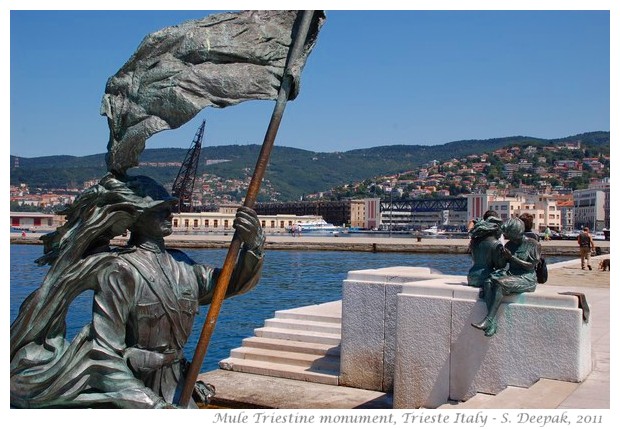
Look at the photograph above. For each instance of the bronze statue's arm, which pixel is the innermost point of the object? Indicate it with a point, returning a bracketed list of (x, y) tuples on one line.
[(247, 271), (244, 278), (532, 253)]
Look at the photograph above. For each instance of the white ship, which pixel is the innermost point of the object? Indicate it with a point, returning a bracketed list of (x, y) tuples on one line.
[(314, 226), (433, 230)]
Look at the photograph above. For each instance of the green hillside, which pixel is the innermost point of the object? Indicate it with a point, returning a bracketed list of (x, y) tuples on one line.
[(292, 172)]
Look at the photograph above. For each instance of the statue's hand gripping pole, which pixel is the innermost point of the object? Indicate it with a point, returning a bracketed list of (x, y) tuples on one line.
[(250, 199)]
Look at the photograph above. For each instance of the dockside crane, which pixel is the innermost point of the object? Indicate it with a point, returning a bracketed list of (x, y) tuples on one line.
[(183, 186)]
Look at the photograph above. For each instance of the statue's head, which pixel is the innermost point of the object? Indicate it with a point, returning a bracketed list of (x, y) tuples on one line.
[(513, 229), (105, 211), (489, 227), (155, 205)]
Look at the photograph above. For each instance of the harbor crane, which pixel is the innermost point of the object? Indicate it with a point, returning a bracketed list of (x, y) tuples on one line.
[(183, 186)]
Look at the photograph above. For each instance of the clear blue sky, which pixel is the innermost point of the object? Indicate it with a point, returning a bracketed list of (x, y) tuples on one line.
[(375, 78)]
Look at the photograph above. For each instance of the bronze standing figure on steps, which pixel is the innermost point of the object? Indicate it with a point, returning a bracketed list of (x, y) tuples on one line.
[(145, 300), (145, 296)]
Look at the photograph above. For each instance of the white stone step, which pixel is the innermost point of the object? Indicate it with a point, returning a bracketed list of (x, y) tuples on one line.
[(297, 344), (544, 394), (304, 325), (330, 312), (280, 370), (291, 346), (308, 316), (289, 334), (304, 360), (547, 394)]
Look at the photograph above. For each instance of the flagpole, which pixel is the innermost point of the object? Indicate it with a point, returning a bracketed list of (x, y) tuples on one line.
[(235, 246)]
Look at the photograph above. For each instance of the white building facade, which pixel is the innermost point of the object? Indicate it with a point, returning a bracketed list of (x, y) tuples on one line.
[(589, 209)]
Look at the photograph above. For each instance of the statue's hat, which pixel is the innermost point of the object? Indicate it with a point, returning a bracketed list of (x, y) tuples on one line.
[(152, 195)]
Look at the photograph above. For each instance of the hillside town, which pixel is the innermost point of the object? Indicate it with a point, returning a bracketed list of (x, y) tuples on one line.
[(565, 186)]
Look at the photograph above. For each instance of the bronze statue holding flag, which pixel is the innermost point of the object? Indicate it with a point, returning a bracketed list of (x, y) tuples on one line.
[(146, 296)]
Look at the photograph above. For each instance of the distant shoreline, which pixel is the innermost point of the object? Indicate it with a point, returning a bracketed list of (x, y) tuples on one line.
[(344, 243)]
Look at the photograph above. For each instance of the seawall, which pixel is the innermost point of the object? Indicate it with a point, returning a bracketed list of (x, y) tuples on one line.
[(341, 243)]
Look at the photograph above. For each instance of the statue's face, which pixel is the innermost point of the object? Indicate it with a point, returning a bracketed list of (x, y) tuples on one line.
[(155, 223)]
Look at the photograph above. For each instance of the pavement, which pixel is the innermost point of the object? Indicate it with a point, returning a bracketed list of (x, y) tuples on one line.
[(241, 390)]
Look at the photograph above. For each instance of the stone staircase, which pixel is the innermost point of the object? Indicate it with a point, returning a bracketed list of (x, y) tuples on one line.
[(304, 344), (299, 344)]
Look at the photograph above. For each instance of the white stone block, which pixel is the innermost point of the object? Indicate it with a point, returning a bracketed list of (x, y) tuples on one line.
[(362, 343), (540, 335), (368, 346), (422, 364)]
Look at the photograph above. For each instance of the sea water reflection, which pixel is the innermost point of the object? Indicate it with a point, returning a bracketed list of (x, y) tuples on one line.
[(290, 279)]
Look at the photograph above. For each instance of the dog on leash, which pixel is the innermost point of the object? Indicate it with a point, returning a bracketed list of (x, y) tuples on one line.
[(604, 265)]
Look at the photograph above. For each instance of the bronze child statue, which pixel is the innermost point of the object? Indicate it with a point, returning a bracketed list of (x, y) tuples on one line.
[(486, 250), (522, 254)]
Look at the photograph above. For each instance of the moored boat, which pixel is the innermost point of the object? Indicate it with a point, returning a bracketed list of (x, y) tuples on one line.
[(314, 226)]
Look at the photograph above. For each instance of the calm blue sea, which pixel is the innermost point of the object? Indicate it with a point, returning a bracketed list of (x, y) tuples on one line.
[(290, 279)]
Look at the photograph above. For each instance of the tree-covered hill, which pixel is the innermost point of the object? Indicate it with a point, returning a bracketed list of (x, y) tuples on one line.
[(292, 172)]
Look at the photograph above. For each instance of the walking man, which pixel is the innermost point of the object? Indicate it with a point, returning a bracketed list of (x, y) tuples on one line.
[(585, 248)]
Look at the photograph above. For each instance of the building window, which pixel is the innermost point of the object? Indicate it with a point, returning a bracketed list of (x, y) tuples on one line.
[(186, 223), (175, 223), (282, 224), (195, 223), (225, 223), (263, 224), (214, 223), (206, 223), (273, 223)]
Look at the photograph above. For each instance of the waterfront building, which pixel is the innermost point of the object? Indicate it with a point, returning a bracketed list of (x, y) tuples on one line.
[(589, 209), (542, 206), (365, 213), (603, 185), (334, 212), (566, 208), (545, 211), (221, 221), (372, 213), (504, 207), (477, 204), (36, 222), (218, 221), (420, 213)]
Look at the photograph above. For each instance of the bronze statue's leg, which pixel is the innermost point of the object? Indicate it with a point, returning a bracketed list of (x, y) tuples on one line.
[(491, 327), (488, 293), (493, 299)]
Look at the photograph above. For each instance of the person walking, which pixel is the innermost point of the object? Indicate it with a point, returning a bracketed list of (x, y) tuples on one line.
[(585, 248), (547, 234)]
